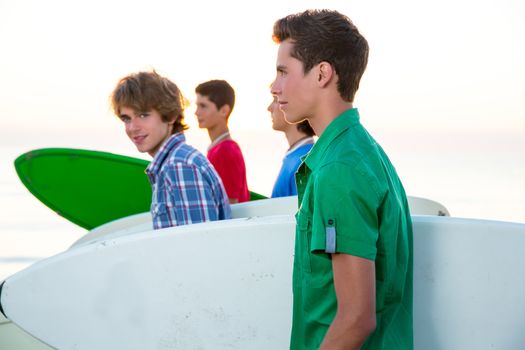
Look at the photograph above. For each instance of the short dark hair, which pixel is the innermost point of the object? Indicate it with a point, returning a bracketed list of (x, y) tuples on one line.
[(326, 35), (144, 91), (217, 91), (305, 128)]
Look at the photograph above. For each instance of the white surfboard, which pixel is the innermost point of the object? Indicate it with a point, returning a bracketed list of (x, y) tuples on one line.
[(11, 335), (425, 206), (227, 285), (143, 222), (215, 283), (264, 207)]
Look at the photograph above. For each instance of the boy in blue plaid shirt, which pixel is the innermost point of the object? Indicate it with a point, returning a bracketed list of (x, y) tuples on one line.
[(186, 187)]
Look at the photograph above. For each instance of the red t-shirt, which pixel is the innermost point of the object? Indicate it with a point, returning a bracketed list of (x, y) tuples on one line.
[(227, 159)]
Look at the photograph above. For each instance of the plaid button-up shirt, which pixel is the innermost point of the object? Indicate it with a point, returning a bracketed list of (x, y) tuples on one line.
[(186, 187)]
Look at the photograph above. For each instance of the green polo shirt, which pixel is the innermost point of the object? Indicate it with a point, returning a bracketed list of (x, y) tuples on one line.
[(351, 201)]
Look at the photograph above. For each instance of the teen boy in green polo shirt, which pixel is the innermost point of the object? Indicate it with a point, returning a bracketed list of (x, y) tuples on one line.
[(352, 279)]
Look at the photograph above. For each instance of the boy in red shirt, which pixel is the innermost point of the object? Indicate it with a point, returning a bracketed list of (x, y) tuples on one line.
[(215, 101)]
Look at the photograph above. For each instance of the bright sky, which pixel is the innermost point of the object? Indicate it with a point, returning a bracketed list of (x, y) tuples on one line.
[(431, 63), (441, 68)]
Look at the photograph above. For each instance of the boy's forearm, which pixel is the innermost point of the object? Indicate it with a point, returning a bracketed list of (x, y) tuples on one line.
[(345, 335), (355, 319)]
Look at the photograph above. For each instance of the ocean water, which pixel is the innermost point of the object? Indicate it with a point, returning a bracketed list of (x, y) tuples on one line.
[(475, 175)]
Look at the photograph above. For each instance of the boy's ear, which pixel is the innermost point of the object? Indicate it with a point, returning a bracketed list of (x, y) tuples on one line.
[(225, 110), (173, 120), (325, 73)]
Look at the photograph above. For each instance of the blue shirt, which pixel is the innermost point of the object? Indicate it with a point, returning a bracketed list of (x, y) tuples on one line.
[(285, 183), (186, 187)]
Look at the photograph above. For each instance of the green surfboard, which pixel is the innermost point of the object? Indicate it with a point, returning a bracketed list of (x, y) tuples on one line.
[(89, 188)]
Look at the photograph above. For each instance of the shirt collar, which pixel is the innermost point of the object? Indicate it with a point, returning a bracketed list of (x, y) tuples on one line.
[(309, 140), (218, 140), (344, 121), (172, 142)]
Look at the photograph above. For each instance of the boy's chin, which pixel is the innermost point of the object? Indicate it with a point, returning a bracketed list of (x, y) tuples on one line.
[(292, 119), (141, 149)]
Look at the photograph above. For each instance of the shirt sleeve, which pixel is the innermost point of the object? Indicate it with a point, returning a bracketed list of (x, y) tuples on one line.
[(346, 200)]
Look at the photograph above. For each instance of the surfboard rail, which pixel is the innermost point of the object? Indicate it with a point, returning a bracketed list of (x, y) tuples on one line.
[(266, 207)]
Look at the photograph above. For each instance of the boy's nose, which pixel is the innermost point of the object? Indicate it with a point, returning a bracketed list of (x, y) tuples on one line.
[(275, 88), (134, 124)]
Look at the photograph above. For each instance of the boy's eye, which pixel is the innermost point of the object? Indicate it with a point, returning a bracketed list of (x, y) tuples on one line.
[(144, 115), (124, 118)]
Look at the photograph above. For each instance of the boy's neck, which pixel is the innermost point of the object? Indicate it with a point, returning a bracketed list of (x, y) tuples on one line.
[(217, 131), (293, 136), (325, 116)]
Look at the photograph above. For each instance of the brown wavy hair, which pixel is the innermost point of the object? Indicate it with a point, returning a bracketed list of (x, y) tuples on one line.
[(144, 91)]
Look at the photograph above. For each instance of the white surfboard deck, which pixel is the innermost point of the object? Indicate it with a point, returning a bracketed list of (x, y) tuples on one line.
[(215, 283), (227, 285), (265, 207)]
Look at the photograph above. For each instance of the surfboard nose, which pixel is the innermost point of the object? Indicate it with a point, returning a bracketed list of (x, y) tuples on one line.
[(1, 308)]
